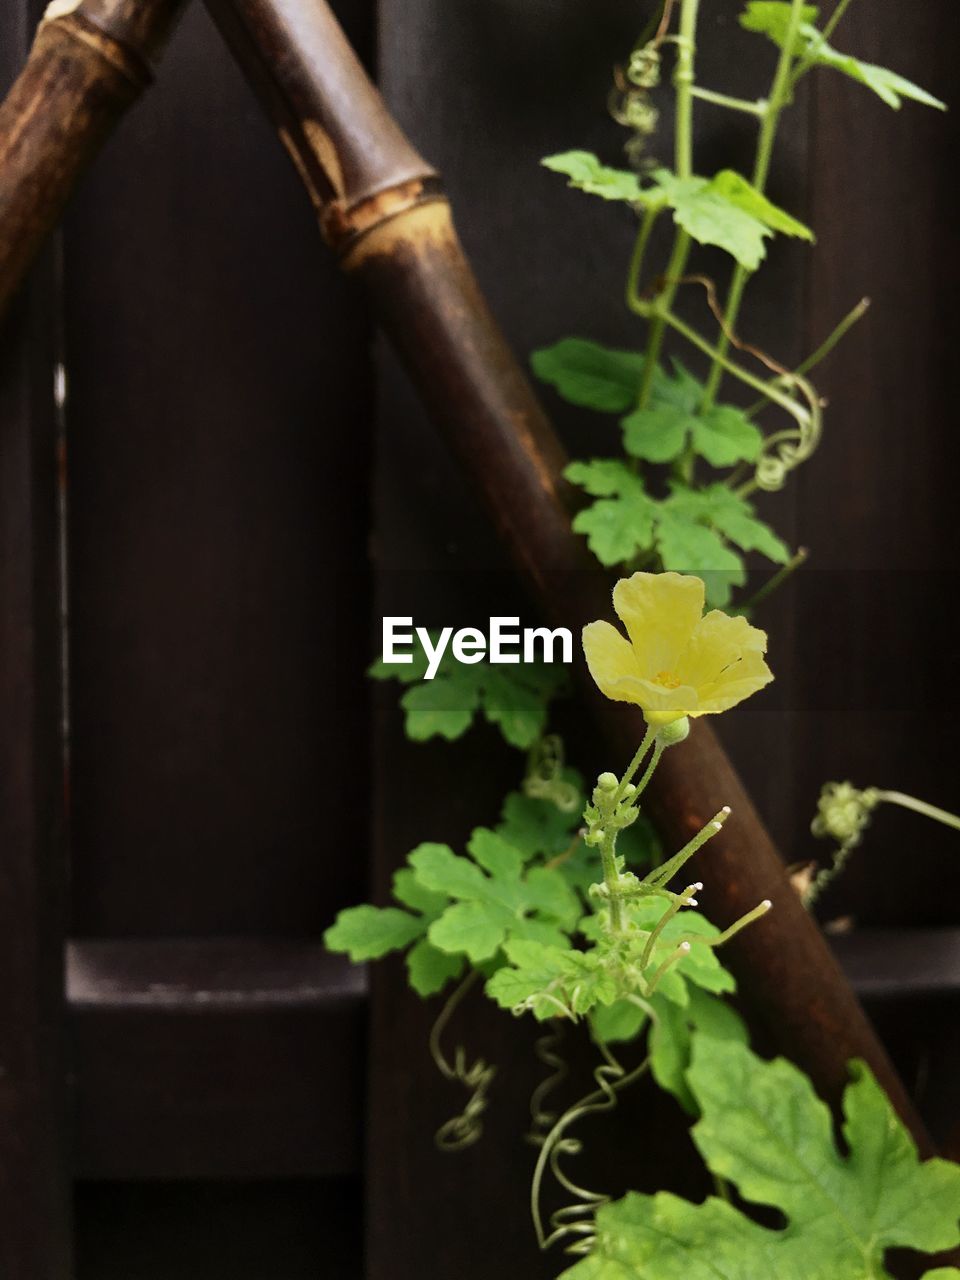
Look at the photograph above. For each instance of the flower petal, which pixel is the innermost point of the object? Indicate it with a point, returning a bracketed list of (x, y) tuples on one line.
[(610, 657), (613, 665), (717, 642), (660, 612), (737, 682)]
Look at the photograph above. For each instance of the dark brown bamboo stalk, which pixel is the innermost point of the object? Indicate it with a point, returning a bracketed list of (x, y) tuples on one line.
[(86, 67), (382, 208)]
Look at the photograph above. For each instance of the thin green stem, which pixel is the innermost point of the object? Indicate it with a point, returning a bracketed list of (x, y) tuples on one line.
[(660, 876), (683, 80), (808, 60), (780, 94), (611, 878), (824, 349), (778, 579), (751, 107), (634, 765), (919, 806), (658, 750), (639, 251), (737, 370), (683, 900), (835, 17)]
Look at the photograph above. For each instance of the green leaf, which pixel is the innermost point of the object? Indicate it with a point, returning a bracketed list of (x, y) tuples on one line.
[(404, 672), (734, 187), (671, 1038), (889, 86), (586, 173), (709, 218), (656, 435), (438, 868), (550, 982), (618, 1023), (679, 389), (408, 890), (470, 927), (727, 211), (550, 894), (772, 18), (517, 708), (495, 900), (516, 698), (732, 516), (619, 526), (537, 827), (367, 933), (725, 435), (441, 708), (495, 854), (942, 1273), (590, 375), (764, 1130), (689, 547), (429, 970)]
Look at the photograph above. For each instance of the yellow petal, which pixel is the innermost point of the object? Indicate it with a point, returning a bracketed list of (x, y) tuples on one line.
[(613, 665), (660, 612), (660, 705), (610, 658), (717, 642), (738, 681)]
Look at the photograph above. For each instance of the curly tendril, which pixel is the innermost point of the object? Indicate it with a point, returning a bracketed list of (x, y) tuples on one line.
[(548, 1051), (463, 1130), (574, 1224), (544, 779)]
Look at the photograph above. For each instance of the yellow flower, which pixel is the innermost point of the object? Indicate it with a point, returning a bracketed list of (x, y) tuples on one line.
[(676, 663)]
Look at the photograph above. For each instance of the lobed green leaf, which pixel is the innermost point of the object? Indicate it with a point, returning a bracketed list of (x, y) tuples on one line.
[(586, 173)]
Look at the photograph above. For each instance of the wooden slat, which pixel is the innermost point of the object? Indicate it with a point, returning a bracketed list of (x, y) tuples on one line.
[(889, 963), (226, 1059), (34, 1189), (219, 419)]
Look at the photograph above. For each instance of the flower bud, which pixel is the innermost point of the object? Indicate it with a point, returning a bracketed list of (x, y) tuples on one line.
[(607, 781), (674, 732)]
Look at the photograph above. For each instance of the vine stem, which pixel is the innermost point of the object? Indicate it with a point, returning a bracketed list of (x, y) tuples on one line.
[(608, 846), (780, 93), (919, 806), (840, 331), (683, 80)]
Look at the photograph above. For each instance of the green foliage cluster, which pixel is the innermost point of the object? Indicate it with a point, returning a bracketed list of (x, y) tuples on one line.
[(642, 517), (514, 698), (524, 880), (704, 530), (763, 1130)]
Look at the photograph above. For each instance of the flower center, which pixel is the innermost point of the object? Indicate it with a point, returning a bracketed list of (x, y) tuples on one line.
[(667, 679)]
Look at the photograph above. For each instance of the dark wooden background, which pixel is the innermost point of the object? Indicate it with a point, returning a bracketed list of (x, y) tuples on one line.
[(250, 484)]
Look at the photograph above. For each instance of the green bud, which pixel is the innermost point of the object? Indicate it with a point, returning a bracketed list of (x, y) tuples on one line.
[(629, 791), (607, 781), (674, 732)]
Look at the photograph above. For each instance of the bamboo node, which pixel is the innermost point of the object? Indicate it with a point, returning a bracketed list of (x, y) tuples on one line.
[(343, 225)]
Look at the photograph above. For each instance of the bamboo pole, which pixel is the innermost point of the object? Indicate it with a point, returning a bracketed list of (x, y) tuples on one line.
[(383, 210), (90, 60)]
